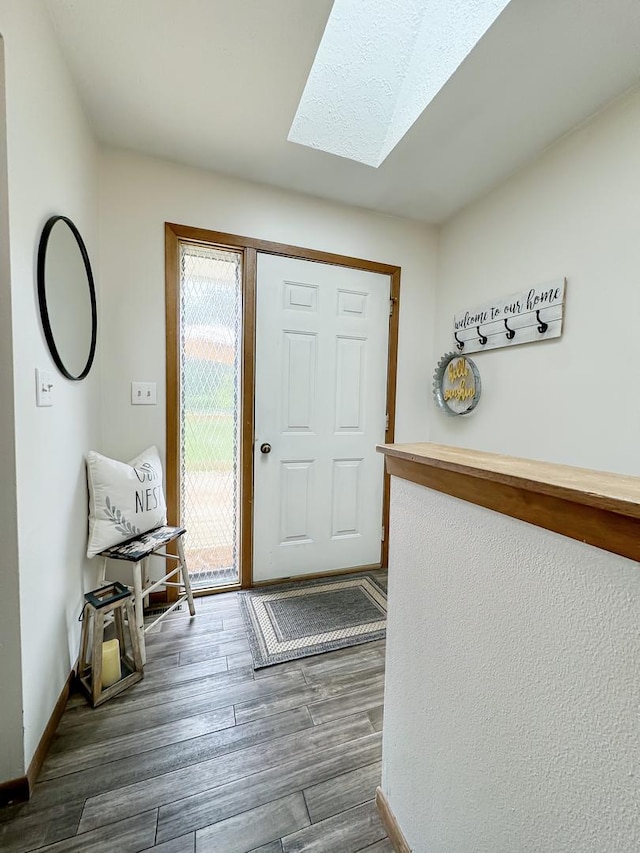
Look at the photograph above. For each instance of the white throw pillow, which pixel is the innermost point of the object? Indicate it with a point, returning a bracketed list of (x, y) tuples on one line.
[(125, 499)]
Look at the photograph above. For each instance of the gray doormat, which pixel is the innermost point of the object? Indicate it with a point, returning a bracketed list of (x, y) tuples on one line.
[(296, 620)]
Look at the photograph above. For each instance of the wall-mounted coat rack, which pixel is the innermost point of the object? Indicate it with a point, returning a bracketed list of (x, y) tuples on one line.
[(533, 315)]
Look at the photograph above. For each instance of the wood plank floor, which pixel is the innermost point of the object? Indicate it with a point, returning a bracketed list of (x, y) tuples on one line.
[(207, 756)]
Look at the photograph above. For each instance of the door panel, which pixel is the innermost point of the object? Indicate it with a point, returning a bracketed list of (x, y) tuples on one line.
[(295, 489), (320, 403), (350, 354), (299, 382), (345, 497)]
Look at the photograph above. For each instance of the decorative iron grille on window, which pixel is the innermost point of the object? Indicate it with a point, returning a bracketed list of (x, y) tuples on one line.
[(210, 361)]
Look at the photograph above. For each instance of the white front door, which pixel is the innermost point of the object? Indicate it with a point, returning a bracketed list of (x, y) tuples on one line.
[(321, 381)]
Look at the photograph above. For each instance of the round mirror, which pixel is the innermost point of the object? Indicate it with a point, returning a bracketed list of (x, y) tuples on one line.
[(67, 297)]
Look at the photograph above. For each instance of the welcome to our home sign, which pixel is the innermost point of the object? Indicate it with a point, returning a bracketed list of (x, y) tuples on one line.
[(532, 315)]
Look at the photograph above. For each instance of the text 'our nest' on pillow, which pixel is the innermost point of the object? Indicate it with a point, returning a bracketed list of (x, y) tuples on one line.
[(125, 498)]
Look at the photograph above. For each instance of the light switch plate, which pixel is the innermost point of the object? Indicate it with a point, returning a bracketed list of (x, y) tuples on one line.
[(44, 387), (143, 394)]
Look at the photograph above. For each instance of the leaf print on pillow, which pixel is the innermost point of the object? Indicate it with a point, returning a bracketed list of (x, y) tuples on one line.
[(122, 525)]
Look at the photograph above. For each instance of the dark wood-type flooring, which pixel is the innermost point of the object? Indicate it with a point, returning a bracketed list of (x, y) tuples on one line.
[(207, 756)]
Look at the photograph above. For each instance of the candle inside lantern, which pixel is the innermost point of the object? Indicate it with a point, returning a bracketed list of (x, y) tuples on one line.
[(110, 662)]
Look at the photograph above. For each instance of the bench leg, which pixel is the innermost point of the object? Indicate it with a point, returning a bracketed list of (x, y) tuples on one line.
[(102, 572), (139, 608), (185, 576), (145, 579)]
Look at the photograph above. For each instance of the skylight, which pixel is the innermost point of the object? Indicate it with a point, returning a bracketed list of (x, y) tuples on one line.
[(379, 64)]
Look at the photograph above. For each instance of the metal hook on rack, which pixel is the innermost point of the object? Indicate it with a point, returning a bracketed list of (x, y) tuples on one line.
[(510, 333), (542, 326), (459, 344), (482, 338)]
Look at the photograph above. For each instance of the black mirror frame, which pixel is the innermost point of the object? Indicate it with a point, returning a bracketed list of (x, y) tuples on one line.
[(42, 297)]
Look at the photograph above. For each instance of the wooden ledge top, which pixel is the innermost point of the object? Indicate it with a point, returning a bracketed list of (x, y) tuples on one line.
[(616, 493)]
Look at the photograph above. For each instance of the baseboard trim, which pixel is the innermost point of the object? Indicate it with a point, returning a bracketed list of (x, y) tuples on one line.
[(373, 567), (14, 791), (397, 839), (47, 736), (19, 790)]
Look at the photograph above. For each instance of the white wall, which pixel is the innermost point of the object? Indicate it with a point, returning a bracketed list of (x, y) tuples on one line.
[(512, 691), (137, 196), (52, 168), (11, 752), (573, 213), (511, 709)]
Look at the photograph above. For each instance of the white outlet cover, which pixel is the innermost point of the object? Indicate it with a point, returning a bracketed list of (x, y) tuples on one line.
[(143, 393)]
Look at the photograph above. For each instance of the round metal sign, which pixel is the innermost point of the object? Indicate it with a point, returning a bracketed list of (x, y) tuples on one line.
[(456, 384)]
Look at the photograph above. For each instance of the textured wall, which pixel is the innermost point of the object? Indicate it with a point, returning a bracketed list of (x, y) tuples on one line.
[(512, 696), (11, 752), (52, 168), (573, 213)]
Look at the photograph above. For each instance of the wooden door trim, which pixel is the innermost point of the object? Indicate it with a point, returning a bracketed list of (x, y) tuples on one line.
[(172, 326), (392, 375), (249, 247), (249, 274), (234, 241)]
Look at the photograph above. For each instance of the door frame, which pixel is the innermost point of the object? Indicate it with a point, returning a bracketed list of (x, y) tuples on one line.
[(249, 247)]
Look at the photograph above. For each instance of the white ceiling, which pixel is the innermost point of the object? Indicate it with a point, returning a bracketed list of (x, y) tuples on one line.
[(216, 84)]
